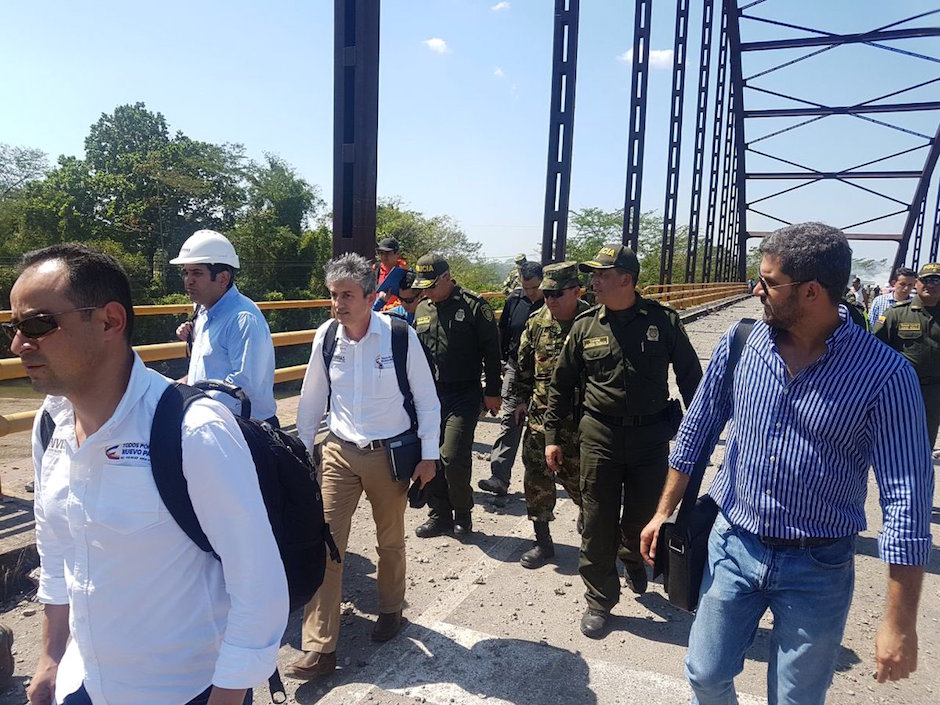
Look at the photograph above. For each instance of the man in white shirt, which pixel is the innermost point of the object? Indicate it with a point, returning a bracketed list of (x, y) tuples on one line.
[(153, 619), (366, 407), (228, 335)]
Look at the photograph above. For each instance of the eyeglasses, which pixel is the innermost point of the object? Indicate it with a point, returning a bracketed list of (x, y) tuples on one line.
[(767, 287), (930, 282), (557, 294), (409, 301), (38, 326)]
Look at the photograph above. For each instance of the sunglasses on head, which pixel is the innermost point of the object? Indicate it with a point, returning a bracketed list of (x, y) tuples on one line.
[(40, 325), (556, 294)]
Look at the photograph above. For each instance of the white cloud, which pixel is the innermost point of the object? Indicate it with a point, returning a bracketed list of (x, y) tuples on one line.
[(500, 6), (437, 45), (498, 72), (659, 58)]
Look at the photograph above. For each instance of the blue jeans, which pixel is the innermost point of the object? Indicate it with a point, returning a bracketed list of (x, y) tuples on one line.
[(808, 591), (80, 697)]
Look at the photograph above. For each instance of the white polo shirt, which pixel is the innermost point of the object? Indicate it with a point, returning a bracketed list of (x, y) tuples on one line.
[(153, 618)]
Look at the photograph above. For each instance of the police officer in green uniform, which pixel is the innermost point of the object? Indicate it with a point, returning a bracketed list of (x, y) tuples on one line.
[(539, 348), (912, 328), (458, 328), (618, 354)]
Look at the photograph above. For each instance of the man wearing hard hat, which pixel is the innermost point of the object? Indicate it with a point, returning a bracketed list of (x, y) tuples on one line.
[(229, 336)]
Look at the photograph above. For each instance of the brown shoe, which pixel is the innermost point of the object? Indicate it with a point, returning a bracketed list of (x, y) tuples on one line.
[(311, 665), (386, 626)]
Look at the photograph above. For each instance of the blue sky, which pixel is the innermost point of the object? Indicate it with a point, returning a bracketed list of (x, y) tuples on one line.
[(464, 96)]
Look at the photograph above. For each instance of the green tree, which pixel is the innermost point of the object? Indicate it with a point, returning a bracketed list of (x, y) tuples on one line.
[(19, 166)]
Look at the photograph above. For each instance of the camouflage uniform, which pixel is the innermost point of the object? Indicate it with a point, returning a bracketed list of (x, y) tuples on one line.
[(512, 281), (539, 348)]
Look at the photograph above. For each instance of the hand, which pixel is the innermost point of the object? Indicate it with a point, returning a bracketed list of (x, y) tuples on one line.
[(42, 687), (425, 472), (553, 458), (895, 652), (492, 404), (649, 538), (519, 413), (184, 331)]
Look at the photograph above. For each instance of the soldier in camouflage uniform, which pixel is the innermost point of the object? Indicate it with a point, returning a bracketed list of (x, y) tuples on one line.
[(512, 280), (539, 348)]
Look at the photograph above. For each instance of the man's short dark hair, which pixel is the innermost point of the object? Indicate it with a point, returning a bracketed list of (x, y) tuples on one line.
[(408, 280), (216, 269), (95, 279), (530, 270), (902, 272), (812, 252)]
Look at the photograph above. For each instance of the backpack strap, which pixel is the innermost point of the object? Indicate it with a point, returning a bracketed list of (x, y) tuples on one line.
[(46, 429), (400, 357), (166, 460), (329, 347)]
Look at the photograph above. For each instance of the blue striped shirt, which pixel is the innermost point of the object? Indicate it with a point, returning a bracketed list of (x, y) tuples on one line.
[(879, 306), (798, 450)]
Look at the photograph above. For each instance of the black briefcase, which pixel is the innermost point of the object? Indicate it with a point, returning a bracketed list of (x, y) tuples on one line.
[(682, 551)]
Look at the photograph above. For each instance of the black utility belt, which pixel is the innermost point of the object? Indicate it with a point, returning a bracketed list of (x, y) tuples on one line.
[(448, 387), (647, 420)]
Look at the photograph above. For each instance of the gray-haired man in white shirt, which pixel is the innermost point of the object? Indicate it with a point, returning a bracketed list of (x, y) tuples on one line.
[(366, 408), (153, 619)]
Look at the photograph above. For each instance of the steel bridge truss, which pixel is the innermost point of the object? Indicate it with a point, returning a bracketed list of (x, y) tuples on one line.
[(764, 66)]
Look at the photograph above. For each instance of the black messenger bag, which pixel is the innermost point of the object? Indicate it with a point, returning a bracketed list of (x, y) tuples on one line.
[(682, 547)]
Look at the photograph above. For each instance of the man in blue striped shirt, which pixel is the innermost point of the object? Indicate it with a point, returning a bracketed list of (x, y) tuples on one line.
[(792, 485)]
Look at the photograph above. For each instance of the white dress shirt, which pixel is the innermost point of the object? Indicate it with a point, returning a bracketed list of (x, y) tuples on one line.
[(367, 404), (153, 619)]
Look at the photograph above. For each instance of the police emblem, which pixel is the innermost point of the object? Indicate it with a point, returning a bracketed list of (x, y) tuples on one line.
[(652, 333), (488, 313), (460, 315)]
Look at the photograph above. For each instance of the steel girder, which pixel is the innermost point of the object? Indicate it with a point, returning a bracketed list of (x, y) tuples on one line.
[(560, 130), (636, 137)]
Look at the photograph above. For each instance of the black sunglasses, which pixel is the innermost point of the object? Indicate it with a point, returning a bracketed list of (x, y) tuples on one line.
[(37, 326), (557, 294)]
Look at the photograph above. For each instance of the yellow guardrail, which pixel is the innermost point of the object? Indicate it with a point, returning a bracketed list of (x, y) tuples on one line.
[(678, 296)]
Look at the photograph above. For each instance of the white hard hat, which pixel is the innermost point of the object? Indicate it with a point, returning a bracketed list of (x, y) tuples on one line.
[(207, 247)]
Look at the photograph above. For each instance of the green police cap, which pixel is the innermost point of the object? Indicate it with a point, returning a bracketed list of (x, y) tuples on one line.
[(560, 276), (932, 269), (613, 255), (429, 268)]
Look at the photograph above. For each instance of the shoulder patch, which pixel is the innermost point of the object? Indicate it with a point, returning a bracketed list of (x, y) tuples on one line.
[(488, 312), (596, 342)]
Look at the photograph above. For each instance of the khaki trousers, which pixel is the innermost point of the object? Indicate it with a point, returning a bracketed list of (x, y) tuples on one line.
[(345, 473)]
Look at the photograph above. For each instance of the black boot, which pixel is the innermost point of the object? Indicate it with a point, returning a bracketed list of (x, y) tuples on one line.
[(538, 555)]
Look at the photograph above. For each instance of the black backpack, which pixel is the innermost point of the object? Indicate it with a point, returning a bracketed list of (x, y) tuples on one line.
[(286, 477)]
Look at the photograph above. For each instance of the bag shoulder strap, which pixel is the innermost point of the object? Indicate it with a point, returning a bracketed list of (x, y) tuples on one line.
[(329, 347), (400, 357), (166, 460), (735, 349)]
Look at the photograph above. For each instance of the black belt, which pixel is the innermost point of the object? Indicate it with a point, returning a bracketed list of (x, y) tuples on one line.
[(370, 446), (805, 542), (448, 387), (648, 420)]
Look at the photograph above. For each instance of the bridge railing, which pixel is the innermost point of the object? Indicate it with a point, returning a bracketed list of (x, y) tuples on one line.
[(679, 296)]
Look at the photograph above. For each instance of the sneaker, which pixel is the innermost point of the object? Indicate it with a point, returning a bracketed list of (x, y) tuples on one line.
[(434, 526), (494, 485), (463, 523), (593, 622)]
